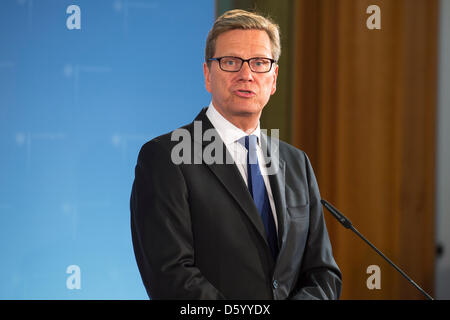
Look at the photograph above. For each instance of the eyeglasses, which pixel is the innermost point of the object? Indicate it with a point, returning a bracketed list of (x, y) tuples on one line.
[(234, 64)]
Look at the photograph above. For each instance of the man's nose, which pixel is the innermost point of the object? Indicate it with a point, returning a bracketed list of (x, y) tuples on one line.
[(246, 73)]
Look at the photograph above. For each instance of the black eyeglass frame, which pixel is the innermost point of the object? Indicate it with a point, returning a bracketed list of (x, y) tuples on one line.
[(272, 61)]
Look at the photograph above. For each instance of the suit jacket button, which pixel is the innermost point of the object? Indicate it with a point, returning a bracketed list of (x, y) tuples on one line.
[(275, 284)]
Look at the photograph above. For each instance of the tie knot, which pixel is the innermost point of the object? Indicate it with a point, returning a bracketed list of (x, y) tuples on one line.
[(249, 142)]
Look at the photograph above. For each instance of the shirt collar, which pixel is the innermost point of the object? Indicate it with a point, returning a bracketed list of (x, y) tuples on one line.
[(227, 131)]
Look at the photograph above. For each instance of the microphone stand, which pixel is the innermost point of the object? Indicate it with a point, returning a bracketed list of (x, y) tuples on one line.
[(348, 225)]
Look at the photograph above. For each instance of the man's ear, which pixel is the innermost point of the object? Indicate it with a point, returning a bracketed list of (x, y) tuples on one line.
[(207, 74), (274, 84)]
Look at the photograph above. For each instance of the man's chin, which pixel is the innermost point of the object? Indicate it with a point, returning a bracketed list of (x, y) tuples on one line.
[(247, 110)]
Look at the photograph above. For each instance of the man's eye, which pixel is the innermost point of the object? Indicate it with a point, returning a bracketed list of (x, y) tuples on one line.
[(260, 62), (230, 62)]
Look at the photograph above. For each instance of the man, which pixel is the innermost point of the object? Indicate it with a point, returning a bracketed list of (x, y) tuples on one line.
[(232, 229)]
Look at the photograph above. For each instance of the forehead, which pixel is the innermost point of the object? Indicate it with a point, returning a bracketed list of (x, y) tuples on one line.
[(243, 43)]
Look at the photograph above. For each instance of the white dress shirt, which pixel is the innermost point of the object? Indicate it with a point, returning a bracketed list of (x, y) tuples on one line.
[(230, 135)]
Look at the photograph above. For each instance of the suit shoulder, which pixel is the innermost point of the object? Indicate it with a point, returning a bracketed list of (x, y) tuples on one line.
[(163, 141), (159, 146), (289, 151)]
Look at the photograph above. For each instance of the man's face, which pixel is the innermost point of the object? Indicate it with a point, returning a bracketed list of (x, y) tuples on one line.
[(243, 93)]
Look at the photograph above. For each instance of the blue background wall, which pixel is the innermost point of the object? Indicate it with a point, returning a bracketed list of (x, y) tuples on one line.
[(75, 108)]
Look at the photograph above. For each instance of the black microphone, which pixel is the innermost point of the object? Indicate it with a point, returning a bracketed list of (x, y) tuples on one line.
[(348, 225)]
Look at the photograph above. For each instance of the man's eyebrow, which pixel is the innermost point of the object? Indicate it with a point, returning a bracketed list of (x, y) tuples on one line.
[(239, 56)]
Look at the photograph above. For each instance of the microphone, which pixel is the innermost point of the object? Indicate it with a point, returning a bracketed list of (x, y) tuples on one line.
[(348, 225)]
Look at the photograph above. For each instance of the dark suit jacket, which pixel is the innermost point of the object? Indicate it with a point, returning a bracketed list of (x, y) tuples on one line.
[(198, 235)]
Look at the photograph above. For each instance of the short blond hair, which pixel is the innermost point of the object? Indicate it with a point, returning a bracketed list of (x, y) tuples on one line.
[(245, 20)]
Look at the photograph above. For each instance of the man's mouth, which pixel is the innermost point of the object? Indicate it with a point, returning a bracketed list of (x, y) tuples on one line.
[(244, 93)]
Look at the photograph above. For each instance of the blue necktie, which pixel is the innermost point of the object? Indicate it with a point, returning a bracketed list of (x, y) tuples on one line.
[(258, 191)]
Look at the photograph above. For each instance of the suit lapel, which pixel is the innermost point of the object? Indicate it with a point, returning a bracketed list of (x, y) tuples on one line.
[(232, 180), (229, 176)]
